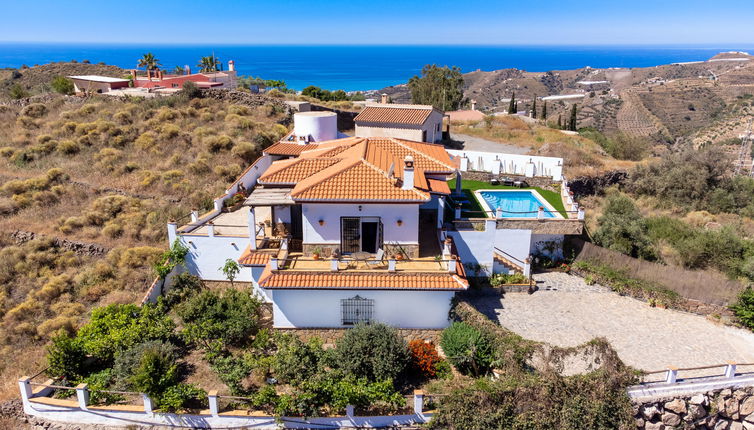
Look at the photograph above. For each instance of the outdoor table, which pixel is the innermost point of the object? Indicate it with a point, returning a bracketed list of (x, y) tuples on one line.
[(361, 257)]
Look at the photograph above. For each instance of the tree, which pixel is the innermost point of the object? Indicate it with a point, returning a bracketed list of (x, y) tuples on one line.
[(534, 107), (744, 307), (467, 348), (208, 64), (572, 122), (229, 317), (62, 85), (191, 90), (544, 111), (148, 61), (622, 228), (178, 70), (441, 87), (512, 104), (230, 269)]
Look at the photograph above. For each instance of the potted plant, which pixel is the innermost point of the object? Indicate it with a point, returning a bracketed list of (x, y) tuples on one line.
[(316, 252)]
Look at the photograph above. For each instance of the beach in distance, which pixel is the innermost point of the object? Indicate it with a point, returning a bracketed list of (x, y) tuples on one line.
[(360, 68)]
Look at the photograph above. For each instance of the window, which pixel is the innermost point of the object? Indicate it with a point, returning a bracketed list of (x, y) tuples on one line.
[(355, 310)]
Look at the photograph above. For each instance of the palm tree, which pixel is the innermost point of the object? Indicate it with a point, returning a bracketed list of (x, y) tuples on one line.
[(208, 64), (179, 70), (149, 61)]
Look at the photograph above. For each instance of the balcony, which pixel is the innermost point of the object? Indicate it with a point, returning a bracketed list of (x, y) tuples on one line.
[(298, 262)]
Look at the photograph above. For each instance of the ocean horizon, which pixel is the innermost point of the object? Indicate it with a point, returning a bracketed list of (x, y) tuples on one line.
[(361, 67)]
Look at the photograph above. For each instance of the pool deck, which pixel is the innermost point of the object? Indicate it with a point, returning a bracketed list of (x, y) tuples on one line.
[(548, 207)]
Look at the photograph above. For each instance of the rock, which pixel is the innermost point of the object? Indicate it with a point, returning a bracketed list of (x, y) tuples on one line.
[(678, 406), (748, 426), (749, 418), (640, 423), (649, 412), (731, 409), (654, 426), (726, 392), (735, 425), (671, 419), (722, 425), (695, 412), (699, 399), (747, 406)]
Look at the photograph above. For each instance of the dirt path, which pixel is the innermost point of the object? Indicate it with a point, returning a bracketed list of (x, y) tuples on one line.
[(571, 313), (472, 143)]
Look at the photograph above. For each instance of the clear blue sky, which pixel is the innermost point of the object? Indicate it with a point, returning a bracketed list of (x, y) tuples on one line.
[(380, 21)]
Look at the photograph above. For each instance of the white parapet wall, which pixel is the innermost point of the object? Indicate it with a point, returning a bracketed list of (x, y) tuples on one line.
[(511, 164)]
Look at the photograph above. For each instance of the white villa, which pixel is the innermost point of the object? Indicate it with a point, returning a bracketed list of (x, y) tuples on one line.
[(336, 230), (419, 123)]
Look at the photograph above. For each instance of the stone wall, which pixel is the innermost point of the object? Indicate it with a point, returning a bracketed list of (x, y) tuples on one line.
[(80, 248), (720, 410), (543, 226), (591, 185), (331, 335)]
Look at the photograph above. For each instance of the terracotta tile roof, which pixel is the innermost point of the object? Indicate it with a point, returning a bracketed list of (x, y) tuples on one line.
[(359, 169), (394, 115), (297, 169), (282, 148), (438, 186), (254, 258), (361, 281)]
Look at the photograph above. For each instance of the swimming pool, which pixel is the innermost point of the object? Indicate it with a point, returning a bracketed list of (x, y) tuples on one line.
[(516, 203)]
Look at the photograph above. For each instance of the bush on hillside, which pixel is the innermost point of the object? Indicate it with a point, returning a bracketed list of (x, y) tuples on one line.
[(744, 307), (467, 349), (373, 351), (62, 85), (622, 228), (296, 361), (229, 317)]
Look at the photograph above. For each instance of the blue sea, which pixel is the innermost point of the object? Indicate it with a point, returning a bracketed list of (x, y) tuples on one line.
[(359, 68)]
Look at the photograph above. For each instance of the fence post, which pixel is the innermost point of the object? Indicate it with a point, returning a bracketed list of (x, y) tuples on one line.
[(349, 411), (333, 264), (418, 402), (527, 267), (452, 264), (457, 214), (214, 407), (194, 216), (218, 204), (730, 370), (391, 265), (671, 375), (25, 387), (211, 229), (148, 405), (498, 213), (541, 212), (581, 213), (273, 264), (82, 395)]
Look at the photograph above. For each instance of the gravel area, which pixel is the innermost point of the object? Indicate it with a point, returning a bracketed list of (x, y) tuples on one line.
[(472, 143), (567, 312)]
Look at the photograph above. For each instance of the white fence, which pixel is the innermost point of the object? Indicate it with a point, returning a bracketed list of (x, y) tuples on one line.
[(80, 411), (670, 384), (512, 164)]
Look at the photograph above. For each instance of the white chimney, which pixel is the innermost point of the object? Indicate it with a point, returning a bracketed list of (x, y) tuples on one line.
[(383, 98), (231, 66), (408, 173), (473, 104)]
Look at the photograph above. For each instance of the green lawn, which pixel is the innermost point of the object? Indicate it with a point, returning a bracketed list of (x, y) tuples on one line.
[(474, 209)]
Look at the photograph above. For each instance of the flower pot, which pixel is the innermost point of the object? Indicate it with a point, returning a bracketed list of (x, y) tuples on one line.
[(315, 256)]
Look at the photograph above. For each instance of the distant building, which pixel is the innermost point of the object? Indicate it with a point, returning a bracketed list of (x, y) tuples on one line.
[(158, 79), (420, 123), (97, 84), (466, 115)]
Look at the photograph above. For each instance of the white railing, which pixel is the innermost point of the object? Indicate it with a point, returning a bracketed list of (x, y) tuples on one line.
[(511, 164), (697, 380)]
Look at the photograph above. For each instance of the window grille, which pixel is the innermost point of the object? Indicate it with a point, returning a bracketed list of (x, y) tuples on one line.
[(355, 310)]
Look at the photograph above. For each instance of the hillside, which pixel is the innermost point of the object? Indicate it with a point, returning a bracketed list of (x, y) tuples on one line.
[(669, 103), (93, 181), (36, 79)]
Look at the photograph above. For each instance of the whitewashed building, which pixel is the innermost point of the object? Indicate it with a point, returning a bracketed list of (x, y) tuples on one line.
[(333, 231), (420, 123)]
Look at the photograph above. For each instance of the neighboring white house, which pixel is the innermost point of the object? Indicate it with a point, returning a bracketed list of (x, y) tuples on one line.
[(356, 229), (418, 123), (97, 84)]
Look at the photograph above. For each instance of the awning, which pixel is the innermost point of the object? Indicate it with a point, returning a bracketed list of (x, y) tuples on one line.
[(270, 197)]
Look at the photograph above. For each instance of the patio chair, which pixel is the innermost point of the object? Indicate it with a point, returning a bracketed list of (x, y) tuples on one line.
[(378, 259)]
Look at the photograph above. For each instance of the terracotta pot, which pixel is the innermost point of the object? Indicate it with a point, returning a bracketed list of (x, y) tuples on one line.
[(315, 256)]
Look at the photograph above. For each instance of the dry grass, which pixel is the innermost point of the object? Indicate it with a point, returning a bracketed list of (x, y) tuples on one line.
[(109, 172), (582, 156)]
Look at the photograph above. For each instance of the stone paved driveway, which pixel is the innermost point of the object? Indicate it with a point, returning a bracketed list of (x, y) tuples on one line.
[(567, 312)]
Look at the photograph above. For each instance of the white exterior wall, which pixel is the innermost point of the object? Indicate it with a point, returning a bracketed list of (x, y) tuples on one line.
[(514, 164), (321, 308), (81, 86), (402, 131), (329, 233), (474, 247), (207, 255), (515, 242), (320, 125)]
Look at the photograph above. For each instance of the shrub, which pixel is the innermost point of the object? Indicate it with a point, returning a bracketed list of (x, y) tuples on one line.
[(467, 348), (622, 228), (184, 286), (34, 110), (217, 143), (146, 140), (62, 85), (17, 92), (296, 361), (229, 317), (191, 90), (116, 328), (180, 396), (66, 358), (424, 357), (375, 352), (246, 151), (744, 307), (149, 367)]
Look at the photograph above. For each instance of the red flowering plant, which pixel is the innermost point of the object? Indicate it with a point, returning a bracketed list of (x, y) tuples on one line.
[(424, 357), (565, 267)]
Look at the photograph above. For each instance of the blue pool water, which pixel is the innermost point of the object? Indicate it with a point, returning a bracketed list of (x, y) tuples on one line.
[(515, 204)]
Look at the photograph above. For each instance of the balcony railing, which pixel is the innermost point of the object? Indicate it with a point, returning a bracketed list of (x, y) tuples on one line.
[(299, 262)]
